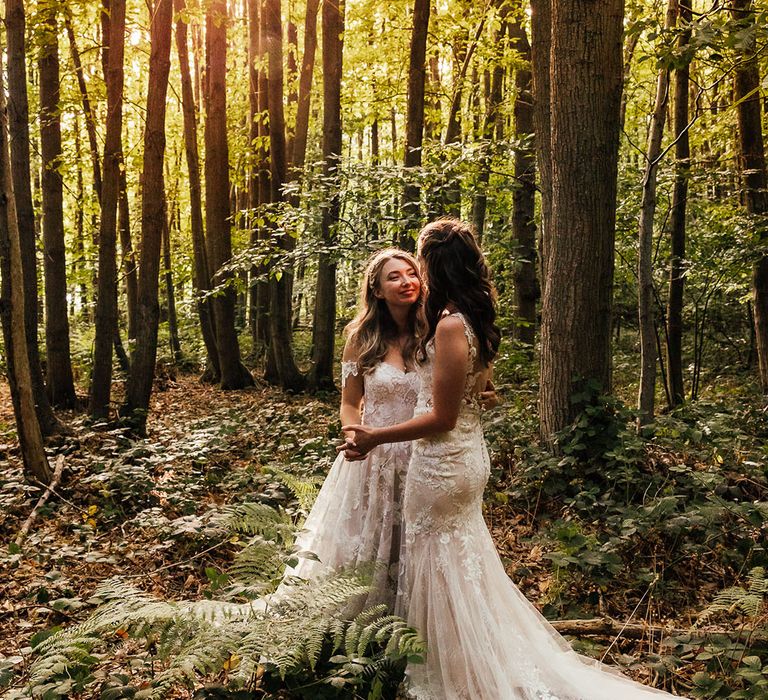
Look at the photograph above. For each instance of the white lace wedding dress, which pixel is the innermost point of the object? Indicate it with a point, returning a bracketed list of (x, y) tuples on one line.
[(485, 641), (355, 521)]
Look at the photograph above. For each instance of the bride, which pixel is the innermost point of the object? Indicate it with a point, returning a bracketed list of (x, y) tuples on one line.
[(355, 521), (485, 640)]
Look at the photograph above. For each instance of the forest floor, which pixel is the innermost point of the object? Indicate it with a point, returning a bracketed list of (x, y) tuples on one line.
[(139, 509)]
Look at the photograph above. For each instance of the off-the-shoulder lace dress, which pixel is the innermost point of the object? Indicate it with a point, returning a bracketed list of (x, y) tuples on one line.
[(485, 641), (355, 521)]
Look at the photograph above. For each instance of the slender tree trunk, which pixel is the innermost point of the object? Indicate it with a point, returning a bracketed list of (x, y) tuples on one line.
[(576, 309), (153, 218), (324, 322), (12, 291), (414, 125), (106, 303), (305, 84), (61, 386), (80, 265), (170, 294), (292, 36), (281, 345), (676, 390), (234, 375), (129, 259), (200, 272), (645, 297), (523, 199), (541, 47), (18, 125), (753, 175)]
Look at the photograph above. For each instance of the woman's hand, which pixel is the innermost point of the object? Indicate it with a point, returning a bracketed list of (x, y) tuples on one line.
[(359, 441), (488, 398)]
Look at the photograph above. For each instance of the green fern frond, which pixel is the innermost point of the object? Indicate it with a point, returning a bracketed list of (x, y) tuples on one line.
[(304, 489), (748, 602)]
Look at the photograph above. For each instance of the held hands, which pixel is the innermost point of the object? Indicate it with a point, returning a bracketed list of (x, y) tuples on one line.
[(488, 398), (359, 441)]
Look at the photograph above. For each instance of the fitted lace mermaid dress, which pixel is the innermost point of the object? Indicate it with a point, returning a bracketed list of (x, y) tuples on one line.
[(355, 521), (485, 641)]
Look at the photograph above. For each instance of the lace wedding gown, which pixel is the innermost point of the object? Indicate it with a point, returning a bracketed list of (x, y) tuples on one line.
[(355, 521), (485, 641)]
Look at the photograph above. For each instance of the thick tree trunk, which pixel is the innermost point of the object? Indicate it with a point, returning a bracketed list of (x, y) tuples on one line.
[(280, 341), (676, 390), (106, 302), (36, 466), (414, 123), (234, 374), (753, 175), (523, 199), (200, 271), (60, 384), (586, 78), (18, 125), (153, 218), (646, 397), (324, 322)]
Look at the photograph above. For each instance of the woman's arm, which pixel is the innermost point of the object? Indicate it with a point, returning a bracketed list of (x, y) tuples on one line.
[(448, 377), (352, 389)]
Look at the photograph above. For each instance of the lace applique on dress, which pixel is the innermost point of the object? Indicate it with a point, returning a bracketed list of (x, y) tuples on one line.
[(347, 369)]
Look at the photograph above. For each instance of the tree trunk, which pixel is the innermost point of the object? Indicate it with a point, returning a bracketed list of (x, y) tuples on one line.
[(292, 37), (106, 303), (523, 198), (646, 397), (676, 390), (586, 72), (153, 218), (541, 47), (753, 175), (324, 322), (305, 84), (280, 342), (36, 466), (18, 125), (61, 386), (129, 259), (170, 294), (234, 375), (414, 124), (200, 271)]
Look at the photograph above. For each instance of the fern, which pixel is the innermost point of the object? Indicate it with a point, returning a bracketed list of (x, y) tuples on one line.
[(748, 601), (305, 490)]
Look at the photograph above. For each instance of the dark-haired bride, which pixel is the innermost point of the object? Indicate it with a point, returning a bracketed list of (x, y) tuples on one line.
[(485, 640)]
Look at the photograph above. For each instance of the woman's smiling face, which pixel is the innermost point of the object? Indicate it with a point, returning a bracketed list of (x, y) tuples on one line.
[(399, 283)]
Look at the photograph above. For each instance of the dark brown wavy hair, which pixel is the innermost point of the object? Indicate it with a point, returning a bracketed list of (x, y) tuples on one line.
[(457, 275), (374, 328)]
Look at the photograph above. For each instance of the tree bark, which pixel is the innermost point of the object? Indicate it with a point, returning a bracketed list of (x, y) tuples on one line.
[(523, 198), (200, 271), (153, 218), (676, 389), (324, 322), (753, 175), (18, 125), (646, 397), (414, 124), (129, 259), (586, 78), (234, 374), (106, 302), (36, 466), (60, 384), (280, 342), (170, 293)]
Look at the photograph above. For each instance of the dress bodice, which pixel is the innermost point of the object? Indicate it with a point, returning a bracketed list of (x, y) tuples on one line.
[(389, 393)]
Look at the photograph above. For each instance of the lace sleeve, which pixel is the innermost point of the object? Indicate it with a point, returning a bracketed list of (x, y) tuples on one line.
[(347, 369)]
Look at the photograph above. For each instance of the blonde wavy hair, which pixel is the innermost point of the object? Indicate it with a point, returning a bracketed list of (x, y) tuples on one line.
[(374, 328)]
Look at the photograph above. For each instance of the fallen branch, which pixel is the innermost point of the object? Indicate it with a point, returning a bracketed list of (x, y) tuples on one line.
[(608, 627), (57, 472)]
